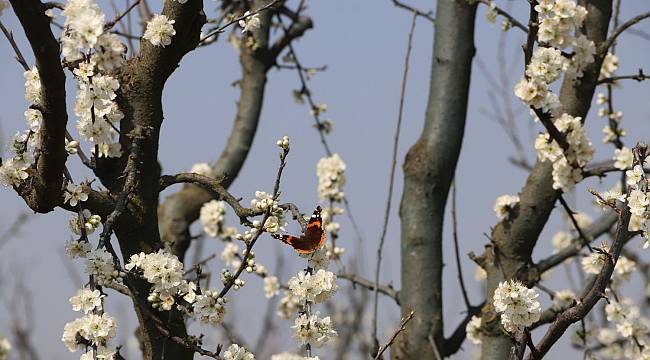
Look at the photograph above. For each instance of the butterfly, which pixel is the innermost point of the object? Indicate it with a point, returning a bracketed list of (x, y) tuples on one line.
[(311, 240)]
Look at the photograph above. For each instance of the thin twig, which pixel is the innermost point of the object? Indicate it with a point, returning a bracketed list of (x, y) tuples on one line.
[(574, 221), (611, 80), (427, 15), (618, 31), (505, 14), (112, 23), (459, 267), (402, 325), (391, 179), (243, 17), (366, 283), (19, 56)]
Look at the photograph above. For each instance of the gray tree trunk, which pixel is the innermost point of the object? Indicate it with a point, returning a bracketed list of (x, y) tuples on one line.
[(428, 172)]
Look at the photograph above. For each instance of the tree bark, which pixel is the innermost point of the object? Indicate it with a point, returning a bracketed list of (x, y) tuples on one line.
[(428, 171)]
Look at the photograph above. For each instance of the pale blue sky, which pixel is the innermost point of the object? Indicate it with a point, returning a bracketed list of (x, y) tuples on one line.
[(362, 42)]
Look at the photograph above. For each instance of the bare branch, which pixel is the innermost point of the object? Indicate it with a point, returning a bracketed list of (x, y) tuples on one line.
[(368, 284), (402, 325), (619, 30), (426, 15)]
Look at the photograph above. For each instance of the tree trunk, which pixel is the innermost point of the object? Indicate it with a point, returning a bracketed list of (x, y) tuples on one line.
[(428, 171)]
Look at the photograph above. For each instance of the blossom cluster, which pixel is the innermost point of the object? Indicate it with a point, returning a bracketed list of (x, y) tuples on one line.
[(315, 288), (331, 177), (567, 164), (517, 305), (94, 328), (313, 330), (165, 272), (13, 170)]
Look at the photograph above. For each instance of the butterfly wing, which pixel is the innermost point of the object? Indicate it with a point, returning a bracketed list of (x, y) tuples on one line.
[(313, 238)]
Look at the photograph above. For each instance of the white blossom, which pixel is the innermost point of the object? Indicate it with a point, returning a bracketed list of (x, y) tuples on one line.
[(102, 353), (77, 249), (86, 300), (12, 172), (100, 263), (96, 329), (517, 305), (159, 31), (473, 330), (610, 65), (209, 308), (212, 217), (250, 23), (289, 305), (563, 299), (624, 158), (271, 286), (315, 288), (331, 177), (504, 204), (73, 194), (202, 169), (313, 330), (546, 64), (34, 119), (635, 175), (594, 262), (283, 143), (32, 86), (109, 52), (637, 202), (236, 352)]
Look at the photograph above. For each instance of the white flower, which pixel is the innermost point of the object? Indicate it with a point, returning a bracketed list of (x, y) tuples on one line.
[(109, 52), (86, 300), (12, 172), (34, 119), (319, 259), (637, 202), (229, 254), (533, 92), (236, 352), (160, 30), (287, 356), (546, 64), (209, 309), (5, 345), (32, 86), (331, 177), (316, 288), (77, 249), (563, 299), (263, 201), (313, 330), (250, 23), (473, 330), (96, 329), (100, 263), (560, 240), (610, 65), (634, 176), (504, 205), (212, 217), (74, 194), (102, 353), (624, 158), (202, 169), (283, 143), (624, 268), (289, 305), (594, 262), (71, 147), (517, 305), (583, 55), (271, 286)]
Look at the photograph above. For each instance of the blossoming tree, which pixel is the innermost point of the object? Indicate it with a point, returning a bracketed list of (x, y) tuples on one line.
[(134, 244)]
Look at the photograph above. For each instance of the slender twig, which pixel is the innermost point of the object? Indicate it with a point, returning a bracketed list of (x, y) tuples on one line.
[(618, 31), (641, 76), (112, 23), (459, 267), (402, 325), (260, 231), (425, 14), (243, 17), (574, 221), (505, 14), (200, 263), (391, 178), (366, 283), (19, 56)]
